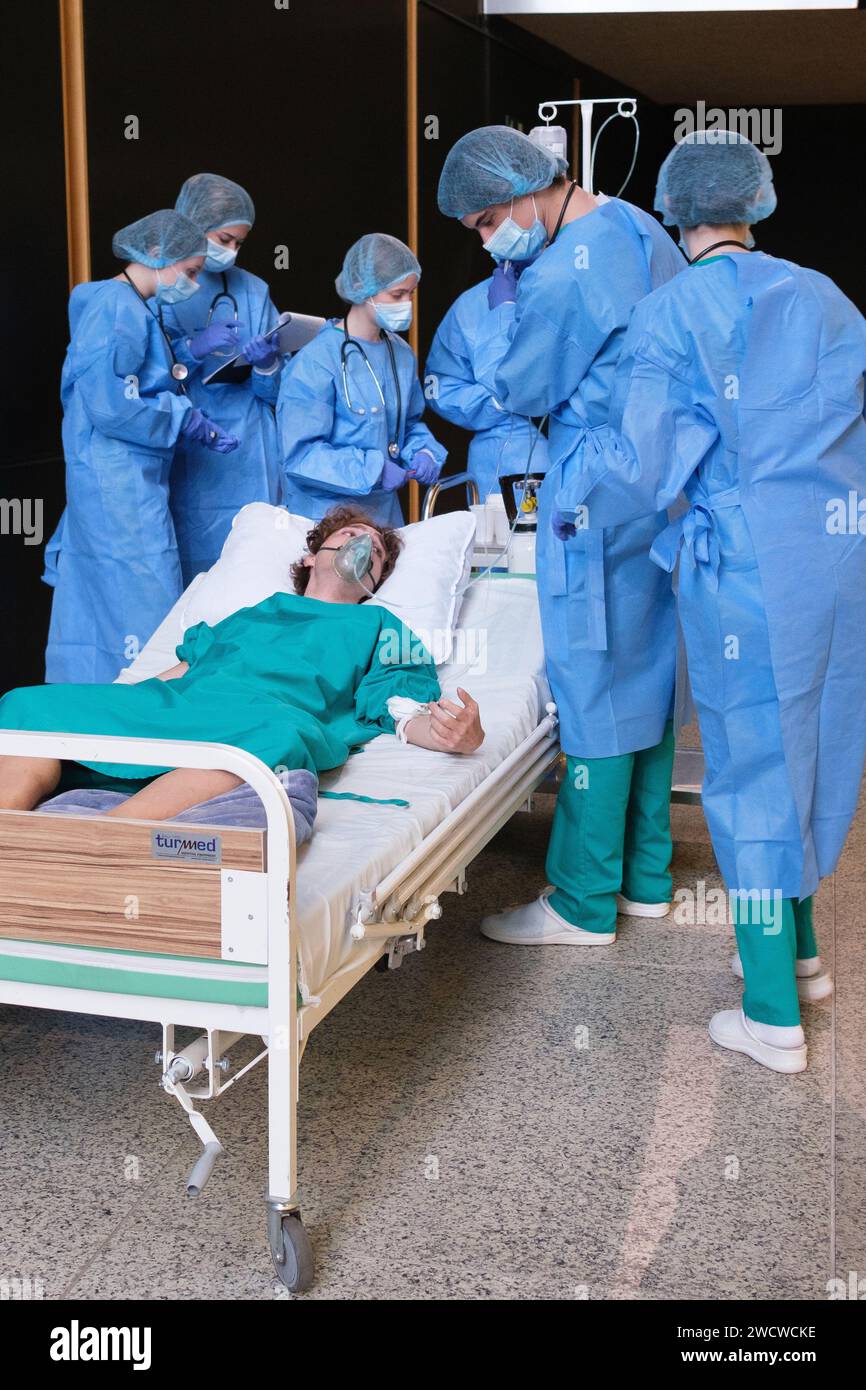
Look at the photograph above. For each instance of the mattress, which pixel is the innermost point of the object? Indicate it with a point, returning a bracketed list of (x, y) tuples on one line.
[(498, 658)]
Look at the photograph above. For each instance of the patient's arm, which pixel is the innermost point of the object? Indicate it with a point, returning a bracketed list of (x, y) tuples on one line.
[(448, 727), (174, 672), (174, 792)]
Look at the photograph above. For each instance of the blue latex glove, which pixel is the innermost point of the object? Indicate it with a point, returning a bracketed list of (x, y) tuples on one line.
[(393, 476), (503, 286), (204, 431), (218, 337), (424, 467), (260, 352), (562, 524)]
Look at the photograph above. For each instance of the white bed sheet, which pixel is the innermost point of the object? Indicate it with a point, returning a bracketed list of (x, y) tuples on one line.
[(355, 845)]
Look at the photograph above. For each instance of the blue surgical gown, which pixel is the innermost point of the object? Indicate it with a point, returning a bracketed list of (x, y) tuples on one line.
[(207, 489), (113, 560), (742, 382), (460, 370), (607, 612), (333, 450)]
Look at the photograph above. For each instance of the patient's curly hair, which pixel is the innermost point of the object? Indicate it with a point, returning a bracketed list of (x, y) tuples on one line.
[(334, 520)]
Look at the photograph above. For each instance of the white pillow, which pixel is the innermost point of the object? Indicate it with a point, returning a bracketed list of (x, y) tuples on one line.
[(426, 588), (425, 591), (255, 562)]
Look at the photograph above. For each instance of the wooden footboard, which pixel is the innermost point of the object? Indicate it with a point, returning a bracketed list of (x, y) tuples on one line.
[(134, 885)]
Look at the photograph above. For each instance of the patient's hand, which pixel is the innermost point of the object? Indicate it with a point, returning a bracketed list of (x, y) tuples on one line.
[(448, 727)]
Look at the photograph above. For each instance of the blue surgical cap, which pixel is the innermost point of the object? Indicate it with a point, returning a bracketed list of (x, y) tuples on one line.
[(716, 177), (159, 239), (493, 165), (374, 263), (210, 201)]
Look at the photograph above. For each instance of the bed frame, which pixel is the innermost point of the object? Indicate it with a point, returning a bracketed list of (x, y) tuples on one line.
[(69, 880)]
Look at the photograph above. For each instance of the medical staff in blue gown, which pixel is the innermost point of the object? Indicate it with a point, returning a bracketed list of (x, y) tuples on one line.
[(607, 613), (742, 382), (113, 560), (231, 314), (462, 364), (350, 405)]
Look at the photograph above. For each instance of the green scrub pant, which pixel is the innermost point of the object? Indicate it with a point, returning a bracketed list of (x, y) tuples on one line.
[(771, 938), (612, 832)]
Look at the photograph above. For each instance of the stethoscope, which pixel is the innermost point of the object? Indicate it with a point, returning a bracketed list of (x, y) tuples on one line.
[(345, 347), (224, 293), (179, 370), (715, 246)]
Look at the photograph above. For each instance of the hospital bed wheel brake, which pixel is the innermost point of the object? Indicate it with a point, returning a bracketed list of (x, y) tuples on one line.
[(291, 1249)]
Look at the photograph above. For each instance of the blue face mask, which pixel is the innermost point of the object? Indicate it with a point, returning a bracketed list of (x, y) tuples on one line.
[(511, 242), (219, 258), (396, 317), (518, 265), (183, 288)]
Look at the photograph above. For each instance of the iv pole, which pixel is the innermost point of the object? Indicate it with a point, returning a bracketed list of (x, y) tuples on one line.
[(548, 110)]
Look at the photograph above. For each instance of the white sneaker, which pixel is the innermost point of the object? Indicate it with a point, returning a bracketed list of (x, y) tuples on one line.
[(626, 908), (536, 924), (813, 982), (730, 1028)]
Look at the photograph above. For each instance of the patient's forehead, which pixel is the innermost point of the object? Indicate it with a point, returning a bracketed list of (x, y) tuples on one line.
[(353, 526)]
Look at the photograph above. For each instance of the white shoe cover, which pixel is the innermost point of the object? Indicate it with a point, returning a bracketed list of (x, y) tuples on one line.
[(813, 983), (536, 924), (626, 908), (730, 1028)]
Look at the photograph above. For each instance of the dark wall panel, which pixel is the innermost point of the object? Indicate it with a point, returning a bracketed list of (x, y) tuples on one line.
[(305, 107), (33, 285), (821, 195)]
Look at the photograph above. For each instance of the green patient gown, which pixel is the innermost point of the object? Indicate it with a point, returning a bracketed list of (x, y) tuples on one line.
[(295, 681)]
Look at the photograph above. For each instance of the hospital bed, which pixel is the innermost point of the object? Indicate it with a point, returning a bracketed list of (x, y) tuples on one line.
[(236, 932)]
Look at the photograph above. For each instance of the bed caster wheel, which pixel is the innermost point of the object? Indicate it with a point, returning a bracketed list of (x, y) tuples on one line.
[(382, 965), (293, 1255)]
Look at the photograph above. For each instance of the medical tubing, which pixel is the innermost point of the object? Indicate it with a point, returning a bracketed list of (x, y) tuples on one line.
[(612, 117)]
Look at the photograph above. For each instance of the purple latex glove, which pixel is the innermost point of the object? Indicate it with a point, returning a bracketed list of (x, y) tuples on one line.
[(207, 432), (562, 525), (260, 352), (503, 286), (424, 468), (393, 476), (217, 337)]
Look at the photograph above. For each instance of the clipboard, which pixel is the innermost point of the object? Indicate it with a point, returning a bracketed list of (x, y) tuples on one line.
[(293, 332)]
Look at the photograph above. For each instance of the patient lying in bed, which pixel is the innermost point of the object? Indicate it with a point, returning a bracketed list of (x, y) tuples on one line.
[(298, 680)]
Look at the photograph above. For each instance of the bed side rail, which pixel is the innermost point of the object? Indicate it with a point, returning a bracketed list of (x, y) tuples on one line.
[(431, 496), (411, 889)]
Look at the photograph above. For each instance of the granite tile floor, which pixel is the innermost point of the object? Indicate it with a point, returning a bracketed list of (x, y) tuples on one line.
[(485, 1122)]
